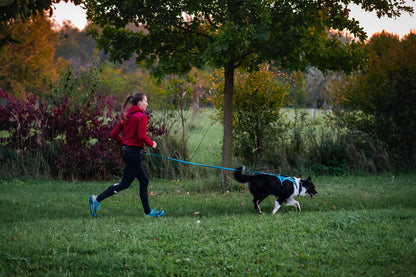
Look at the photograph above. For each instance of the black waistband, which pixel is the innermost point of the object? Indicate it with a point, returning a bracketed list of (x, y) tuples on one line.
[(132, 148)]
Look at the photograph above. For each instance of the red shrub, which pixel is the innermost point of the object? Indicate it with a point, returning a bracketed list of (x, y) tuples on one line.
[(74, 138)]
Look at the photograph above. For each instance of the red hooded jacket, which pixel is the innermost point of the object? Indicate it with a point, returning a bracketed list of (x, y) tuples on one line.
[(133, 129)]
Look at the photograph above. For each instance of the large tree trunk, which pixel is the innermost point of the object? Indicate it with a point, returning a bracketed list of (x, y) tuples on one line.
[(227, 141)]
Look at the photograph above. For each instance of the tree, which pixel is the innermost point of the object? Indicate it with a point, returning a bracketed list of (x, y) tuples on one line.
[(11, 10), (76, 47), (315, 85), (28, 66), (386, 94), (230, 34)]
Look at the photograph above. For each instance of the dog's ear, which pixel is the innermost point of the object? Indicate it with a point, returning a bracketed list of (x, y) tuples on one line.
[(309, 179)]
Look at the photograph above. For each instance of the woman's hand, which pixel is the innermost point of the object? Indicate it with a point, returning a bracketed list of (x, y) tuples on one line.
[(154, 145)]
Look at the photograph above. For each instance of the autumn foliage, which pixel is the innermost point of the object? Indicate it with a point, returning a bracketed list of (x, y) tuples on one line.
[(385, 94), (27, 65)]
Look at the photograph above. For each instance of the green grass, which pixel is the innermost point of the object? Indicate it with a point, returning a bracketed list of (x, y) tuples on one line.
[(357, 226)]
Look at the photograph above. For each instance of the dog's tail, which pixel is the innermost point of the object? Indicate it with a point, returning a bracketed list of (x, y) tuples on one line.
[(239, 176)]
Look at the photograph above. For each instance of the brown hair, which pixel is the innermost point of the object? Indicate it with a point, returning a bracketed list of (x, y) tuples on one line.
[(135, 99)]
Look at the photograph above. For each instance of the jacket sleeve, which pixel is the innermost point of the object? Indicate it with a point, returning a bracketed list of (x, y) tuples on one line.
[(115, 133), (142, 131)]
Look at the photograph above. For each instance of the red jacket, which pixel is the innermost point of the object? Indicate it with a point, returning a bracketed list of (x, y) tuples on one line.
[(133, 129)]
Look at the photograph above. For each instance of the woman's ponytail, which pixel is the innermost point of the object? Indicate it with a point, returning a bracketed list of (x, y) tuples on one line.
[(123, 112)]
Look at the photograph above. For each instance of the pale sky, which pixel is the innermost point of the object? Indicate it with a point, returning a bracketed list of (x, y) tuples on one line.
[(371, 23), (68, 11)]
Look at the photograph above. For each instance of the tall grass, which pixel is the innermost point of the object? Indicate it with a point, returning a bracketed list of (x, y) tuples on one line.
[(356, 226), (202, 137)]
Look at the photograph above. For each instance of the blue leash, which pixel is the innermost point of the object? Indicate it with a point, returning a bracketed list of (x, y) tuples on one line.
[(281, 178), (185, 162)]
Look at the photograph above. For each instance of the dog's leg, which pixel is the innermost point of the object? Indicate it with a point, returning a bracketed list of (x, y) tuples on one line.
[(293, 202), (257, 205), (297, 205), (276, 207)]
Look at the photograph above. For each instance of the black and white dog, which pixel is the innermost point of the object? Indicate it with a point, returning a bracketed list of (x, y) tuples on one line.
[(283, 188)]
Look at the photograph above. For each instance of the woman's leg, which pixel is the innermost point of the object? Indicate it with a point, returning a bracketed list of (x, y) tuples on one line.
[(144, 182), (131, 168)]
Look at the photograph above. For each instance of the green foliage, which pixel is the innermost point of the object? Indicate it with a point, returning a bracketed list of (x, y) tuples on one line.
[(350, 229), (80, 87), (121, 83), (179, 35)]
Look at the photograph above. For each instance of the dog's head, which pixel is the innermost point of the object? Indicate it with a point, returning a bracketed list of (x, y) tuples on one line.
[(310, 187)]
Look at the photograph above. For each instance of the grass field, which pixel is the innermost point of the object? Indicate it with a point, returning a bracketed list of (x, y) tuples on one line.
[(357, 226)]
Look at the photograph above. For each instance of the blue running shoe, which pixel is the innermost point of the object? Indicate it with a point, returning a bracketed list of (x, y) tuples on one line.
[(94, 205), (155, 213)]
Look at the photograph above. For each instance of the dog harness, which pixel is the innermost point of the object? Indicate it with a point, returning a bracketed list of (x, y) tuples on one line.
[(284, 178)]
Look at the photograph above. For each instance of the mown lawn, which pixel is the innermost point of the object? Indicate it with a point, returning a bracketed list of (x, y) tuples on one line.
[(357, 226)]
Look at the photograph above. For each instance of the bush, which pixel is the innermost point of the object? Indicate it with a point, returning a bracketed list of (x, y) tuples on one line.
[(302, 146), (72, 143), (60, 141)]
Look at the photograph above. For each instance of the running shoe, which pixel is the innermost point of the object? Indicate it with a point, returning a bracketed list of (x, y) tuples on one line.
[(94, 205), (155, 213)]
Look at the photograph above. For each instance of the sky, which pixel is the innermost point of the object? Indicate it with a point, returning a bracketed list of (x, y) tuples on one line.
[(371, 23), (68, 11)]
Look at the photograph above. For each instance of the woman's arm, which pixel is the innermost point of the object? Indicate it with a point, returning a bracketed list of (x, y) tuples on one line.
[(115, 133)]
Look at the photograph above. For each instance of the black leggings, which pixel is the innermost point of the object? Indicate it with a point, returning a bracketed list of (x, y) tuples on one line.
[(132, 169)]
